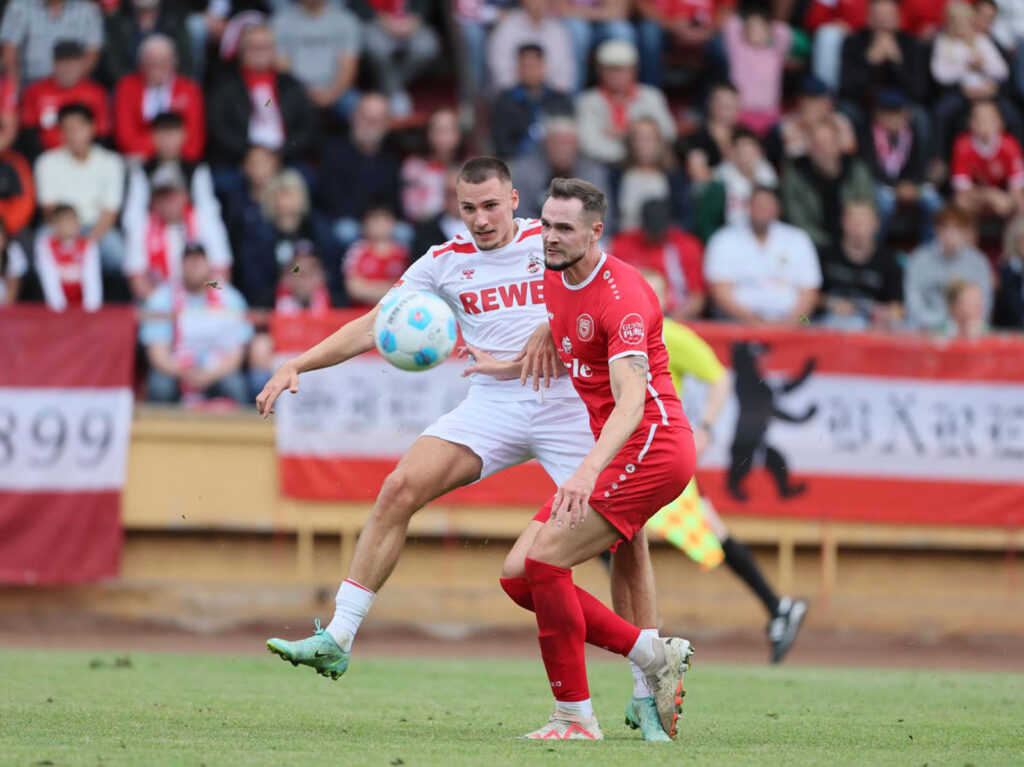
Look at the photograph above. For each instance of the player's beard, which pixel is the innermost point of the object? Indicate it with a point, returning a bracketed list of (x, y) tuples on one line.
[(562, 266)]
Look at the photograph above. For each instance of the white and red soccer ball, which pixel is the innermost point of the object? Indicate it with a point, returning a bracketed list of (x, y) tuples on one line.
[(415, 330)]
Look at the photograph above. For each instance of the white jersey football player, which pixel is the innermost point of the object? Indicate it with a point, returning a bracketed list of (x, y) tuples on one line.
[(493, 280)]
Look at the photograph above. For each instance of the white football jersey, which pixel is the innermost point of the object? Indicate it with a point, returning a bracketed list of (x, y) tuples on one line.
[(498, 300)]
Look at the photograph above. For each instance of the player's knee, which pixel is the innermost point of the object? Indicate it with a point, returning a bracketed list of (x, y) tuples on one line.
[(398, 494)]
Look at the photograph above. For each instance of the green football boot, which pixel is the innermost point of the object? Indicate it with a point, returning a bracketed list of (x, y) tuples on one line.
[(642, 713), (319, 652)]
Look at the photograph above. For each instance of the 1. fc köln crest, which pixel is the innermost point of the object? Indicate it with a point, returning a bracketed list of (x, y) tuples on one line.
[(584, 327)]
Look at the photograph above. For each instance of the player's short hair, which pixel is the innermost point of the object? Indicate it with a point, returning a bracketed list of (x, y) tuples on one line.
[(595, 204), (481, 169), (75, 108), (168, 121)]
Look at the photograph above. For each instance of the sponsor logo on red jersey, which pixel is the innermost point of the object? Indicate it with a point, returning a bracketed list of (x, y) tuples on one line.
[(631, 329)]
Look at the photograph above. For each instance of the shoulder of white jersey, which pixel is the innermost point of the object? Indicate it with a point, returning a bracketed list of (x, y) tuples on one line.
[(528, 227), (460, 243)]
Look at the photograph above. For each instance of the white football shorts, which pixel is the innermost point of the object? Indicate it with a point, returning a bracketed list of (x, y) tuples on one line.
[(555, 432)]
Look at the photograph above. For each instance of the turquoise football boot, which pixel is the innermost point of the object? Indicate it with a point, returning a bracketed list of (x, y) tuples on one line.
[(320, 652), (642, 714)]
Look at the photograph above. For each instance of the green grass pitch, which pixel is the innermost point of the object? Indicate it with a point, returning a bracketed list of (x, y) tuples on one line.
[(68, 708)]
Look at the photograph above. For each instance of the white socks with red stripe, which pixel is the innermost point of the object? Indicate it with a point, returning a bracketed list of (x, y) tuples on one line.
[(350, 607), (640, 656)]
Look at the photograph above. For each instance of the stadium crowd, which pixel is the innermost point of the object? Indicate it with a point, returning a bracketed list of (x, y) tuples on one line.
[(853, 163)]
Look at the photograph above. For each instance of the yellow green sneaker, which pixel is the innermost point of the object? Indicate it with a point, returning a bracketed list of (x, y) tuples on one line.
[(320, 652), (642, 714)]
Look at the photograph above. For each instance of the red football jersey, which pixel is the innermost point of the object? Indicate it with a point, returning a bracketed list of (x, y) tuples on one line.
[(974, 164), (612, 314), (362, 261)]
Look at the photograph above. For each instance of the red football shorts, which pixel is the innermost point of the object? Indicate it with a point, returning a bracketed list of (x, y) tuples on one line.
[(649, 472)]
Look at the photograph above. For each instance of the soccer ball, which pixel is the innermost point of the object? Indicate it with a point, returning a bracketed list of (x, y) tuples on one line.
[(415, 330)]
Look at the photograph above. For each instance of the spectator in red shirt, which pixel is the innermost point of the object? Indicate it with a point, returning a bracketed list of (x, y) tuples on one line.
[(831, 21), (693, 24), (659, 246), (374, 263), (988, 167), (922, 18), (69, 84), (157, 88)]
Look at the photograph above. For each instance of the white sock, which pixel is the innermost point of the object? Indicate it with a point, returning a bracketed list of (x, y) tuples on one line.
[(350, 607), (642, 653), (581, 708), (640, 688)]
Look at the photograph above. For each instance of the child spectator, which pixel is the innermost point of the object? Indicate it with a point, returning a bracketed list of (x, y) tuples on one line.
[(156, 241), (726, 200), (13, 267), (968, 67), (1009, 299), (757, 48), (68, 263), (988, 167), (897, 156), (69, 84), (423, 175), (712, 142), (933, 266), (650, 173), (156, 89), (662, 247), (862, 284), (195, 339), (519, 112), (374, 263), (966, 305)]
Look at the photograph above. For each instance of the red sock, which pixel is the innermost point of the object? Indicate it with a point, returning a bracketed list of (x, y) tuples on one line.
[(605, 629), (562, 629)]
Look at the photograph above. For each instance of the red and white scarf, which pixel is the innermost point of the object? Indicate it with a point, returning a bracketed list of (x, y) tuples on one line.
[(69, 260), (160, 262), (892, 155)]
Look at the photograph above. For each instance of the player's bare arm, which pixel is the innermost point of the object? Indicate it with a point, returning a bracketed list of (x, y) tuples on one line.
[(539, 358), (488, 365), (348, 341), (629, 389)]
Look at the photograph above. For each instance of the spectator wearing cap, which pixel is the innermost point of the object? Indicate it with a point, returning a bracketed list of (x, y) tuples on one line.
[(934, 265), (1009, 299), (195, 334), (606, 111), (69, 84), (155, 89), (400, 44), (591, 22), (896, 152), (757, 48), (792, 136), (270, 236), (817, 187), (987, 171), (967, 66), (168, 140), (557, 156), (661, 246), (373, 263), (87, 177), (519, 112), (30, 29), (131, 25), (862, 281), (253, 103), (650, 173), (319, 44), (882, 56), (830, 21), (689, 24), (67, 263), (725, 201), (532, 22), (156, 240), (362, 155), (710, 145), (764, 272)]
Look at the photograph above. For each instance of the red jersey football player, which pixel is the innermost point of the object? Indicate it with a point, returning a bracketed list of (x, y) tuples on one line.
[(987, 168), (606, 323)]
